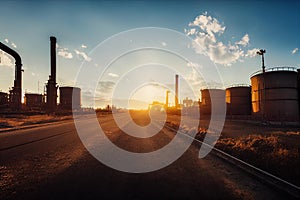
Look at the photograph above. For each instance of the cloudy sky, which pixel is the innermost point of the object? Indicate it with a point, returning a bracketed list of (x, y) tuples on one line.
[(228, 32)]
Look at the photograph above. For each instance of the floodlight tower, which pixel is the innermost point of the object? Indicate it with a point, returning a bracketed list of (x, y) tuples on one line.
[(262, 52)]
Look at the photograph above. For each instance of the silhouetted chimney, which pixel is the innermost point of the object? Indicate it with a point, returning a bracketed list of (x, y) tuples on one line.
[(51, 85), (53, 58)]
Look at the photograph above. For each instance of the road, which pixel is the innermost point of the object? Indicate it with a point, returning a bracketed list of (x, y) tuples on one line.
[(50, 162)]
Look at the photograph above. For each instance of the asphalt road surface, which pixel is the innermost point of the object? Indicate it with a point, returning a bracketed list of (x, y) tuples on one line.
[(50, 162)]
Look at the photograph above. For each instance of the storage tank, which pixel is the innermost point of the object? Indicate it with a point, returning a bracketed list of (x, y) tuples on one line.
[(275, 94), (238, 100), (69, 96), (206, 104)]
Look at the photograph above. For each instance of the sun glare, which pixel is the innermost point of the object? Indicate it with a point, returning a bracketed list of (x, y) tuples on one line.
[(145, 95)]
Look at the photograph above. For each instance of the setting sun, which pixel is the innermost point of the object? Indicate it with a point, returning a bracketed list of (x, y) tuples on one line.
[(145, 95)]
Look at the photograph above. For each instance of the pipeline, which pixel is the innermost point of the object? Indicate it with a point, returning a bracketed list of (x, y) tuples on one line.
[(16, 92)]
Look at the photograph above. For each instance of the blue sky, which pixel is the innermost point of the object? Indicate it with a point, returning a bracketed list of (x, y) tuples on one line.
[(81, 25)]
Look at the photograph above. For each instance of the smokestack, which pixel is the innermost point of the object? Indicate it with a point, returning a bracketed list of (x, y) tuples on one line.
[(176, 91), (167, 98), (53, 58), (51, 85)]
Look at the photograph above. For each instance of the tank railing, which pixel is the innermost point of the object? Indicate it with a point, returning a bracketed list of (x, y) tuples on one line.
[(279, 68), (238, 85)]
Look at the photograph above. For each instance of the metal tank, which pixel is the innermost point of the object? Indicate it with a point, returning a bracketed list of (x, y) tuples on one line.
[(68, 97), (206, 104), (238, 100), (275, 94)]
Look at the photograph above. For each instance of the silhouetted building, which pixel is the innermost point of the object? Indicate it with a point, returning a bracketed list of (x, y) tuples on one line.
[(34, 101), (187, 102), (3, 100)]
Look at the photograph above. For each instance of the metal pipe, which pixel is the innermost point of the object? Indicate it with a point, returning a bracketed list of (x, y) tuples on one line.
[(17, 89)]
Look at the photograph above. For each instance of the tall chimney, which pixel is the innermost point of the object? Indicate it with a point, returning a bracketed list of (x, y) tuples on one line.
[(176, 91), (53, 58), (51, 85)]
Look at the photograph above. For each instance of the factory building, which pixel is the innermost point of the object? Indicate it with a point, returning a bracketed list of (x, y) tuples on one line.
[(275, 94), (238, 100), (70, 97), (34, 101), (4, 103)]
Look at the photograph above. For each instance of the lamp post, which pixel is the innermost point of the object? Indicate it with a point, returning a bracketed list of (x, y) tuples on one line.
[(263, 97), (262, 52)]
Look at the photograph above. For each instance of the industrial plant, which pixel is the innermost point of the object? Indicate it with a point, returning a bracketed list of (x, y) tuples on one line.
[(70, 97), (274, 94)]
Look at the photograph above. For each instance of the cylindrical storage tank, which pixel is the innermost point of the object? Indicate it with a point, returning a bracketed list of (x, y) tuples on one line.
[(206, 103), (298, 77), (238, 100), (70, 97), (275, 95)]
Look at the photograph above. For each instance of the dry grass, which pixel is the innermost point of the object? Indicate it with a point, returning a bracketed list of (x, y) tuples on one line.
[(275, 150), (270, 153), (22, 120)]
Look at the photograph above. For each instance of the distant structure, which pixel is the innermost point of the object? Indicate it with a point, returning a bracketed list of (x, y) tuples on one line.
[(238, 100), (167, 99), (187, 102), (15, 96), (70, 98), (34, 101), (275, 94), (51, 87), (176, 91), (4, 103)]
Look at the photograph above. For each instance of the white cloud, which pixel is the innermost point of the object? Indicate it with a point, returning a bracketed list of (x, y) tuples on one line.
[(83, 46), (5, 60), (6, 40), (208, 24), (63, 52), (113, 75), (244, 41), (206, 31), (252, 52), (295, 50), (83, 55), (164, 44), (192, 64), (14, 45)]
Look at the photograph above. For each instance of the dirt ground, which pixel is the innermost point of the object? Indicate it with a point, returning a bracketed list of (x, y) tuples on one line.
[(14, 121)]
